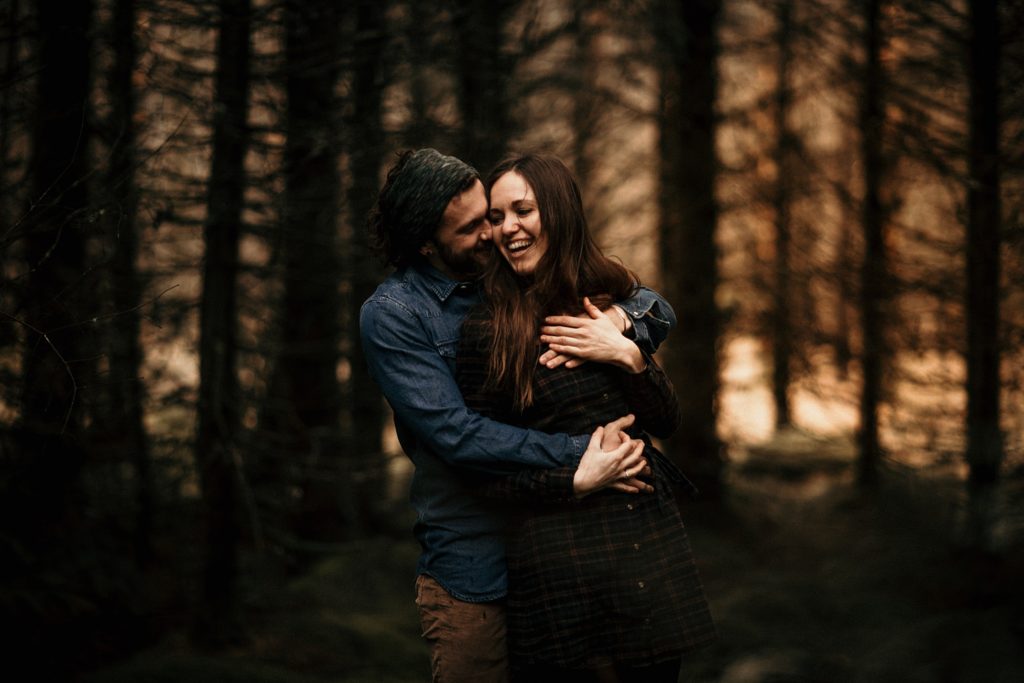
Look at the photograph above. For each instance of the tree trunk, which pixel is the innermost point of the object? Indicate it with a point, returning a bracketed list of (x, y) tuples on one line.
[(9, 206), (42, 496), (216, 441), (127, 393), (874, 267), (367, 466), (585, 112), (984, 438), (57, 301), (782, 331), (689, 256), (8, 76), (304, 398), (421, 130), (483, 73)]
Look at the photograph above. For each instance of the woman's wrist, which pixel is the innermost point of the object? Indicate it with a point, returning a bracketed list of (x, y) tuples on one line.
[(581, 488), (625, 322), (632, 359)]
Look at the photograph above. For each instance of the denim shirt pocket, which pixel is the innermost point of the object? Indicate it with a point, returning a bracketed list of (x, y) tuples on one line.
[(447, 349)]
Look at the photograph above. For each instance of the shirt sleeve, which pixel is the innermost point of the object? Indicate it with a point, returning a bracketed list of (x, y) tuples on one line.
[(653, 318), (420, 388), (554, 485), (652, 399)]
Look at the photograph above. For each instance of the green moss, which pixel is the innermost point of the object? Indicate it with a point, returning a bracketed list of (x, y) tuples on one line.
[(350, 619)]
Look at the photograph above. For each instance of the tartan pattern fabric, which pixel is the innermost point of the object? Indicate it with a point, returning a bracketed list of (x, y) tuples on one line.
[(608, 578)]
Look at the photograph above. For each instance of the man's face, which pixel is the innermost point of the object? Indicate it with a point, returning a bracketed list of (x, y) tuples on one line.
[(462, 243)]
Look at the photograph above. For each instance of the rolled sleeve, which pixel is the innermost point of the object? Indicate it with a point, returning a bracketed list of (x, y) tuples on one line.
[(652, 316)]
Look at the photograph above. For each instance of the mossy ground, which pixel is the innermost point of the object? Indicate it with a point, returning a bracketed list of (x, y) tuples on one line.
[(809, 581)]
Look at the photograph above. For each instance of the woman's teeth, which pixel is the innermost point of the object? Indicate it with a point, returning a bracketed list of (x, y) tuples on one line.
[(519, 245)]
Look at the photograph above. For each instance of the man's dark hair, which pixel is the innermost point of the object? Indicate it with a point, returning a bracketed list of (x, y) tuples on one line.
[(412, 201)]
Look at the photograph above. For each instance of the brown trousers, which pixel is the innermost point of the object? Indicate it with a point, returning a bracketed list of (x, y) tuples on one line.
[(467, 639)]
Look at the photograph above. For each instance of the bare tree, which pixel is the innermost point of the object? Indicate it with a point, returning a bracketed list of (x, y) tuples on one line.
[(984, 223), (303, 403), (127, 393), (483, 71), (366, 467), (57, 356), (687, 31), (873, 268), (216, 439)]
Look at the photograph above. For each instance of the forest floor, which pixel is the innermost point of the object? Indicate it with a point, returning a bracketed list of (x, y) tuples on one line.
[(809, 581)]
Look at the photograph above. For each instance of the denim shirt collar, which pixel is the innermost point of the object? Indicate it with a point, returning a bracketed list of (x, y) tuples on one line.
[(437, 282)]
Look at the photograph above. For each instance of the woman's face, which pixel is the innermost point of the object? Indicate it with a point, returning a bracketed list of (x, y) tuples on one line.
[(515, 223)]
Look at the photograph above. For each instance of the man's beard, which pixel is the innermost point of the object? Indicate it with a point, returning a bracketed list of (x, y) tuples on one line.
[(465, 265)]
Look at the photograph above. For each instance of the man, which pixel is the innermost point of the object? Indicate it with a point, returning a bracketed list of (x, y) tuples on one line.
[(430, 222)]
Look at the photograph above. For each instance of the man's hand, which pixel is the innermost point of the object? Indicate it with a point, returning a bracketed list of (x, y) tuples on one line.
[(612, 460), (613, 436), (595, 336), (614, 433)]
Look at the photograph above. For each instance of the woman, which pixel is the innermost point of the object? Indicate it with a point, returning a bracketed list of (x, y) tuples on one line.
[(601, 586)]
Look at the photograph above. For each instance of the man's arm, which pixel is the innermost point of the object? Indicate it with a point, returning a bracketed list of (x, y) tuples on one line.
[(419, 385), (617, 469), (651, 318), (646, 318)]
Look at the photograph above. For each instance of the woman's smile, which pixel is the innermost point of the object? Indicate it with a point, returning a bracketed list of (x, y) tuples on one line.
[(516, 223)]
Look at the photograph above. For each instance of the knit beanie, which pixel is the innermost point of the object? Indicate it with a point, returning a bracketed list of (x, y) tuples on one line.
[(419, 188)]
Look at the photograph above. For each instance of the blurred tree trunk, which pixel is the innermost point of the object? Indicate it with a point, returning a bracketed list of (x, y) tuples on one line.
[(483, 73), (56, 364), (304, 396), (782, 331), (874, 268), (687, 31), (8, 98), (367, 466), (421, 131), (984, 439), (584, 105), (8, 77), (217, 438), (124, 419)]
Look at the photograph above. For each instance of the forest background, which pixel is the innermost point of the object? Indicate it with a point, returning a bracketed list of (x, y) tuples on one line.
[(197, 476)]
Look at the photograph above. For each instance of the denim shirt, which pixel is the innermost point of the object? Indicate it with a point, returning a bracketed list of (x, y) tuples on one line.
[(410, 333)]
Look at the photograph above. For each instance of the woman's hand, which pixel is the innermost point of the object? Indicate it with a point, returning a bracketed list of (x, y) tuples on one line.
[(594, 337), (617, 467)]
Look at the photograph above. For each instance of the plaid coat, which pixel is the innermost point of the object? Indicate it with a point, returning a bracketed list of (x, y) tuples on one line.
[(610, 577)]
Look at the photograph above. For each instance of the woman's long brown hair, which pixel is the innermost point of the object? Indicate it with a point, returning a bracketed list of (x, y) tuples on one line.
[(571, 268)]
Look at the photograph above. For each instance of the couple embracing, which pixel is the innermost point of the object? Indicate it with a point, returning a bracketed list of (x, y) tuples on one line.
[(518, 361)]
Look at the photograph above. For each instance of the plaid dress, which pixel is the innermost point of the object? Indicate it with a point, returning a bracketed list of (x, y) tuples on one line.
[(610, 578)]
